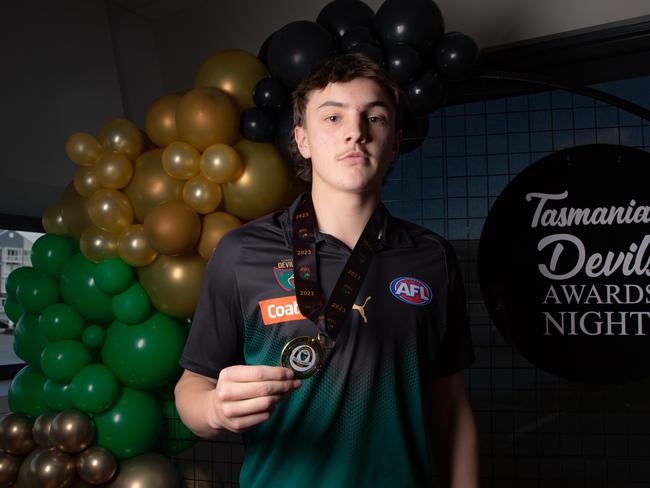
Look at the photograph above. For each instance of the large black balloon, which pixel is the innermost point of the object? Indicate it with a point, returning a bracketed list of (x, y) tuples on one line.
[(371, 50), (338, 16), (404, 63), (296, 49), (270, 94), (415, 22), (356, 35), (424, 95), (257, 125), (414, 132), (263, 54), (456, 56)]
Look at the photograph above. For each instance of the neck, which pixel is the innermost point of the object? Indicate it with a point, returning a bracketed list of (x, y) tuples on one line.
[(343, 215)]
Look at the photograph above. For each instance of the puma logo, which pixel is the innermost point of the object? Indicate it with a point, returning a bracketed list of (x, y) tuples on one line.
[(361, 309)]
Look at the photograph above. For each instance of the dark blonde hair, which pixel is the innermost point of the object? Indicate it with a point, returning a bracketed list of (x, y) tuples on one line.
[(339, 69)]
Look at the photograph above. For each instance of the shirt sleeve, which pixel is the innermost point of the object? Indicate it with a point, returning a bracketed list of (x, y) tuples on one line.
[(456, 352), (215, 338)]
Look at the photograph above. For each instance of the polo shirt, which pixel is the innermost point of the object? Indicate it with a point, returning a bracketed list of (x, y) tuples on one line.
[(360, 420)]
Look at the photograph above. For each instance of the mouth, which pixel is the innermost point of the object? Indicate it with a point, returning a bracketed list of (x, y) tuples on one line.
[(353, 157)]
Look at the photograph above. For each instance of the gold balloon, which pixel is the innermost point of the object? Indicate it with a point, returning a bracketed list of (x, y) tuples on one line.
[(122, 136), (9, 467), (114, 170), (207, 116), (52, 220), (172, 228), (85, 181), (75, 211), (234, 71), (220, 163), (150, 185), (173, 283), (83, 148), (133, 247), (24, 478), (110, 210), (16, 433), (147, 470), (72, 431), (49, 468), (160, 120), (264, 186), (97, 244), (215, 225), (201, 194), (180, 160), (96, 465), (41, 429)]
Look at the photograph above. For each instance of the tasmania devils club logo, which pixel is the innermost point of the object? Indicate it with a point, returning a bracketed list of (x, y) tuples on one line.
[(411, 290), (284, 274)]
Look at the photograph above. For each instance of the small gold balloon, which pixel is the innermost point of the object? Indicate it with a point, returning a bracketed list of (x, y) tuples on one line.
[(122, 136), (97, 244), (24, 478), (264, 186), (201, 194), (41, 429), (50, 468), (75, 211), (52, 220), (72, 431), (173, 283), (96, 465), (83, 148), (110, 210), (207, 116), (220, 163), (160, 120), (172, 228), (215, 225), (180, 160), (147, 470), (16, 433), (113, 170), (9, 467), (85, 181), (234, 71), (150, 185), (133, 247)]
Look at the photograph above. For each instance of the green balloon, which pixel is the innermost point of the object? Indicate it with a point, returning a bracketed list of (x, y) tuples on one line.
[(131, 425), (79, 289), (61, 360), (28, 340), (94, 388), (144, 355), (15, 278), (37, 291), (132, 306), (60, 321), (113, 276), (175, 436), (26, 392), (50, 253), (93, 336), (13, 309), (57, 395)]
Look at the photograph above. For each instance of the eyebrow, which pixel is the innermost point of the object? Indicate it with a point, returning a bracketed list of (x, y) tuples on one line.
[(332, 103)]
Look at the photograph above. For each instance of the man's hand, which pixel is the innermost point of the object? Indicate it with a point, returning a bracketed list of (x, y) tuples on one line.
[(247, 395)]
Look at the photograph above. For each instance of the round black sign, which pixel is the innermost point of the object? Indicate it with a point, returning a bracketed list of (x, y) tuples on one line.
[(564, 263)]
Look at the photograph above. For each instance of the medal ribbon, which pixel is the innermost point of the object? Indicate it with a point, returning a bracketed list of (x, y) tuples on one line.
[(328, 317)]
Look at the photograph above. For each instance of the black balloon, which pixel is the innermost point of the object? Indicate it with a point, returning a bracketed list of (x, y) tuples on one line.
[(355, 35), (263, 54), (257, 125), (370, 50), (414, 131), (296, 49), (284, 133), (270, 94), (424, 95), (456, 56), (415, 22), (338, 16), (404, 63)]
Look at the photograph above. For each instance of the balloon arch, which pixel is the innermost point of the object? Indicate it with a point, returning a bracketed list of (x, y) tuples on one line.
[(103, 314)]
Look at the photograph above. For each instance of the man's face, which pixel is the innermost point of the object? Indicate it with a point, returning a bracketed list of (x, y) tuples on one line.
[(349, 133)]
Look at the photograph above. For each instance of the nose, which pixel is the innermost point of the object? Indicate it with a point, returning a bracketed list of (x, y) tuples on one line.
[(356, 130)]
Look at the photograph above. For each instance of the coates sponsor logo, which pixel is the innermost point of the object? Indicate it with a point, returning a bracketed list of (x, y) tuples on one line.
[(411, 290), (283, 309)]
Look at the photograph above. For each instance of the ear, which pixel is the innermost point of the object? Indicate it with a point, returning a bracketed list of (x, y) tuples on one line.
[(302, 142)]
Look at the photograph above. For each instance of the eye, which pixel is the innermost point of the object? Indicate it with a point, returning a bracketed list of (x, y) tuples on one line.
[(377, 119), (332, 118)]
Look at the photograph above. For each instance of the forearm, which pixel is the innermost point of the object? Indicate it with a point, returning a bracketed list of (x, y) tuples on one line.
[(193, 399), (463, 467)]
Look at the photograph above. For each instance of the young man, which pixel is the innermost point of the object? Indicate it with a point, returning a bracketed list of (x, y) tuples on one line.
[(367, 309)]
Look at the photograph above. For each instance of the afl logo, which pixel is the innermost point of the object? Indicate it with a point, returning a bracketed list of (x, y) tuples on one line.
[(411, 290)]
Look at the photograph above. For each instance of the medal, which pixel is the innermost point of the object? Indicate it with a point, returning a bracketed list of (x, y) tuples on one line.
[(303, 355)]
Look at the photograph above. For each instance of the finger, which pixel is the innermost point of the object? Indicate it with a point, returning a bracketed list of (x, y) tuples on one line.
[(229, 391), (245, 373), (242, 424), (253, 406)]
